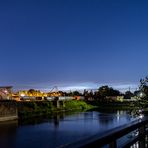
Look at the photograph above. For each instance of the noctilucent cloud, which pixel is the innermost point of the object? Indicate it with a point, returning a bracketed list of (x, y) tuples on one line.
[(73, 44)]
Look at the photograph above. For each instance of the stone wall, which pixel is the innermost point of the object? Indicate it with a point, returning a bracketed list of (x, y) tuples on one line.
[(8, 110)]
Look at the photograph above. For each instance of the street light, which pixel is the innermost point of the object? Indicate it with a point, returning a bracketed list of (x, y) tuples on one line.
[(5, 91), (22, 95), (141, 95)]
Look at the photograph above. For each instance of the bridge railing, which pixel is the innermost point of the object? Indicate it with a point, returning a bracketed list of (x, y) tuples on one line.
[(111, 137)]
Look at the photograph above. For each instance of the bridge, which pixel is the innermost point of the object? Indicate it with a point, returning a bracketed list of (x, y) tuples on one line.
[(137, 131)]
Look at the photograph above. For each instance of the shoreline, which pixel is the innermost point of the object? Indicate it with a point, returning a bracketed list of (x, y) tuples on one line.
[(35, 109)]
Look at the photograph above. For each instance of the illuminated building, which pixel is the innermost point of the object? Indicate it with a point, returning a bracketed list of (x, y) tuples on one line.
[(5, 92)]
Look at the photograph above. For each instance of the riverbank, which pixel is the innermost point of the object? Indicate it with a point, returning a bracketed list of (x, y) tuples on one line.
[(29, 109), (126, 105), (39, 108)]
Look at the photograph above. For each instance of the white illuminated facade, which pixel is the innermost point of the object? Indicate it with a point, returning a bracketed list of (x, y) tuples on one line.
[(5, 92)]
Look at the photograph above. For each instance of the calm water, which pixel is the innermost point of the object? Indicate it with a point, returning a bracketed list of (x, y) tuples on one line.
[(60, 130)]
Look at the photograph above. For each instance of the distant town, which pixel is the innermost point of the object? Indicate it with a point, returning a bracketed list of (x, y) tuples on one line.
[(103, 93)]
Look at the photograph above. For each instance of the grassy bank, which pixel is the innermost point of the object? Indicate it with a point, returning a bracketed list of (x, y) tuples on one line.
[(39, 108)]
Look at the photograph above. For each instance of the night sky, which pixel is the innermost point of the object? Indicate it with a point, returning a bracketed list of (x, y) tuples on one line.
[(73, 44)]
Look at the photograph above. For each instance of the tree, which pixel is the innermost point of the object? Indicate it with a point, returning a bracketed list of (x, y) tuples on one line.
[(76, 93), (144, 86), (97, 95), (136, 92), (108, 91), (128, 95), (31, 92), (105, 91)]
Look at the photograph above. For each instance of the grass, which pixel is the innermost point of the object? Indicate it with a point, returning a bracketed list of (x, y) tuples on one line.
[(39, 108)]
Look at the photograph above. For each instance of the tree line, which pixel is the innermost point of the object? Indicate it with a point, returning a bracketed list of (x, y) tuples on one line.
[(104, 91)]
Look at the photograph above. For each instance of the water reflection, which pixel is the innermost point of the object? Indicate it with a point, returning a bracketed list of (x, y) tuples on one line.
[(60, 128), (8, 134), (57, 118)]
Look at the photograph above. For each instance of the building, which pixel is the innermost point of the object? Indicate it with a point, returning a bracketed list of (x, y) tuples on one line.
[(5, 92), (115, 98)]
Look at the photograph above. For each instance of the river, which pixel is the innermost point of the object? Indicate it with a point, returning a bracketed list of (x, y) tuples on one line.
[(61, 129)]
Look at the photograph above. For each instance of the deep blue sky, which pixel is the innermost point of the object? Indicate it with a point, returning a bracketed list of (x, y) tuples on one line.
[(73, 43)]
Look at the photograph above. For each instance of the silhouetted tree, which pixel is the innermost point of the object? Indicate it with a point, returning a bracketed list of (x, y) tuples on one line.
[(144, 86), (104, 91), (76, 93), (31, 92), (128, 95), (136, 92), (108, 91)]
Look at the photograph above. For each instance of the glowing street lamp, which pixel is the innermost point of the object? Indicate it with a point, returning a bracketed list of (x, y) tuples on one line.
[(22, 95), (141, 94), (5, 91)]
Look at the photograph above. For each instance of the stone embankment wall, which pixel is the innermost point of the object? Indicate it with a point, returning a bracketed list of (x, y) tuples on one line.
[(8, 110)]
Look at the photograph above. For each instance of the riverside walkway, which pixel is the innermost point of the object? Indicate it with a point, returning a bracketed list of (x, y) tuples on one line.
[(117, 138)]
